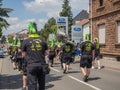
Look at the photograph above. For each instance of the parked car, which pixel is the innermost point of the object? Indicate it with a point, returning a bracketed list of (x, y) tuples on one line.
[(1, 52)]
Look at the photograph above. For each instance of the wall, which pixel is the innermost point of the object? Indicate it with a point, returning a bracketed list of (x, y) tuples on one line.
[(108, 14)]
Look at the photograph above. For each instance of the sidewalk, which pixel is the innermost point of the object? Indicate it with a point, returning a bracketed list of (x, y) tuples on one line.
[(110, 64), (0, 65), (106, 63)]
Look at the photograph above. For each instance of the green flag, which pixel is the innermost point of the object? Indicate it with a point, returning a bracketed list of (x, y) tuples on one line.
[(87, 36), (32, 28)]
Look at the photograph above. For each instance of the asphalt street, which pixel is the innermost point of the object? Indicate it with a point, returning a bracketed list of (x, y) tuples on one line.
[(104, 79)]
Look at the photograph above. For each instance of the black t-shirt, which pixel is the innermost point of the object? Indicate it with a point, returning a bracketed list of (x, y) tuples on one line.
[(67, 47), (35, 50), (97, 48), (87, 48)]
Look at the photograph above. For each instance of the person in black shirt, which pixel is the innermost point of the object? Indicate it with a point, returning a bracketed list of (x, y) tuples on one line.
[(97, 54), (87, 49), (67, 52), (34, 51), (52, 55)]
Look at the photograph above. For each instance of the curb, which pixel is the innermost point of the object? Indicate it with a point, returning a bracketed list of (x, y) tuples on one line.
[(115, 65), (112, 68), (1, 66)]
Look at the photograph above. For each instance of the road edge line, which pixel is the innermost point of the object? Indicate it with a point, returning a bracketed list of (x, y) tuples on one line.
[(54, 69), (84, 83)]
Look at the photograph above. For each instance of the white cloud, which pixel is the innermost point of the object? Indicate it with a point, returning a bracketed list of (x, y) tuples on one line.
[(49, 7), (19, 25), (12, 20), (53, 7), (79, 4)]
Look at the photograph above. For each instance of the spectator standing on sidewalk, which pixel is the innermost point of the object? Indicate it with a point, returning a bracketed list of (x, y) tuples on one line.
[(86, 58), (97, 54)]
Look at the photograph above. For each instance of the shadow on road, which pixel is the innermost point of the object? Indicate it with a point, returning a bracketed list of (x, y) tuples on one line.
[(93, 78), (10, 81), (74, 72), (51, 78)]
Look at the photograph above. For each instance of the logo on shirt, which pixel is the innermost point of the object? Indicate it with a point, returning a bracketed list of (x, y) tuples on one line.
[(67, 48), (36, 45), (88, 47)]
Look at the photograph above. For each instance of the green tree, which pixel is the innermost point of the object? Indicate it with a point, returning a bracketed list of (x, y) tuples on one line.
[(54, 29), (3, 13), (49, 28), (66, 12), (10, 39), (3, 39)]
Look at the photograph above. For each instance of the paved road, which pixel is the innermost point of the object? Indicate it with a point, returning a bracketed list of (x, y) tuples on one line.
[(104, 79)]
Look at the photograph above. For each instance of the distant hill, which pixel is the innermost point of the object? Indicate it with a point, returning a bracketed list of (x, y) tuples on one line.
[(82, 15)]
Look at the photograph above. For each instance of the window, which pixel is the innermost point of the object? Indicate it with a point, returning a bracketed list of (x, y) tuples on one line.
[(101, 29), (118, 27), (101, 2)]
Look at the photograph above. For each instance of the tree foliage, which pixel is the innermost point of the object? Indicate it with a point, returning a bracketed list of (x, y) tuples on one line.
[(66, 12), (10, 39), (3, 39), (49, 28), (3, 13)]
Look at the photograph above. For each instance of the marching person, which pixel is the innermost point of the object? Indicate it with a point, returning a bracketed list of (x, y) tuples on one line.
[(87, 56), (51, 56), (97, 54), (67, 53), (24, 65), (34, 51)]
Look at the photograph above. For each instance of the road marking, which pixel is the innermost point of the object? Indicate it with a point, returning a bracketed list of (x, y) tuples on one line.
[(84, 83), (78, 80), (55, 69), (1, 62)]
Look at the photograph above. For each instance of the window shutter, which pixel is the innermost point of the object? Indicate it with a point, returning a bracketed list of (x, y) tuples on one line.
[(118, 25), (101, 29)]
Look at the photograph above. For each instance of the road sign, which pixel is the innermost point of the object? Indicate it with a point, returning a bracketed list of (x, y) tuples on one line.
[(62, 22), (77, 28), (76, 33)]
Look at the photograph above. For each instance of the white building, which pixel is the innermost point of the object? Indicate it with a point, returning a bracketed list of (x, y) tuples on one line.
[(85, 27)]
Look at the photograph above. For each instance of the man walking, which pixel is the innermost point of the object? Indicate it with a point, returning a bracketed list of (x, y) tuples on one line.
[(87, 49), (34, 51)]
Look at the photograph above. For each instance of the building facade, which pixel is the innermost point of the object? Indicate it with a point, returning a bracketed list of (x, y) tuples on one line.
[(105, 24), (22, 33), (79, 17), (85, 24)]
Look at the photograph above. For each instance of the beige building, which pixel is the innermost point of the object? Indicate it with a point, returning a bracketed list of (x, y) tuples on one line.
[(105, 24), (22, 33)]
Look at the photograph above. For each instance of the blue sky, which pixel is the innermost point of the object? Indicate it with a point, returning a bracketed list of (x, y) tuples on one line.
[(38, 11)]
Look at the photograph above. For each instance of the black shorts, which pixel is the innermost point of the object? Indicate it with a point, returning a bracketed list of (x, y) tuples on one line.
[(86, 61), (51, 55), (24, 66), (66, 60), (97, 57)]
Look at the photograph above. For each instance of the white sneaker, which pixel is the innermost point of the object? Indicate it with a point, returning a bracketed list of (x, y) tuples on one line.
[(99, 67), (93, 67)]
